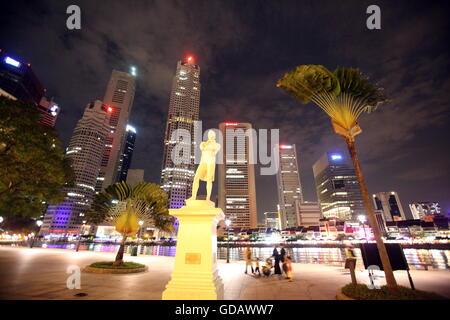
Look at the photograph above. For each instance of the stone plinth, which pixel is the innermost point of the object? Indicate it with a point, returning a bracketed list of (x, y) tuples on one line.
[(195, 275)]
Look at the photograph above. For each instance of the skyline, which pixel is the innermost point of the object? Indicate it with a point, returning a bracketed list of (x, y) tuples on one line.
[(247, 93)]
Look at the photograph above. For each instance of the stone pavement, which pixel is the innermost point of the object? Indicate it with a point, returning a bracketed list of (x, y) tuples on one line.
[(41, 274)]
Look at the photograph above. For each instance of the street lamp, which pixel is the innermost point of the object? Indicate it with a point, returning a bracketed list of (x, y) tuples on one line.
[(362, 219), (79, 236), (39, 224), (1, 219), (141, 223), (228, 223)]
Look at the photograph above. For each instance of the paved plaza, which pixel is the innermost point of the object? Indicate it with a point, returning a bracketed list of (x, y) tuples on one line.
[(41, 274)]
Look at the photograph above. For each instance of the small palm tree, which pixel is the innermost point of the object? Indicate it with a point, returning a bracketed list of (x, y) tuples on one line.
[(343, 95), (124, 206)]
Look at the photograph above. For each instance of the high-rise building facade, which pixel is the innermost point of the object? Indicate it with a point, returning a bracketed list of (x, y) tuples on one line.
[(272, 220), (119, 96), (422, 209), (237, 191), (85, 149), (308, 213), (337, 187), (288, 183), (135, 176), (127, 154), (178, 170), (18, 82), (390, 204)]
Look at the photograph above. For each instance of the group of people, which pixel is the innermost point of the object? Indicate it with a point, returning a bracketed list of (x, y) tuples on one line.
[(278, 257)]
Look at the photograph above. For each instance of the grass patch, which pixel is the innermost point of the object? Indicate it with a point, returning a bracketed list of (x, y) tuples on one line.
[(109, 265), (361, 292)]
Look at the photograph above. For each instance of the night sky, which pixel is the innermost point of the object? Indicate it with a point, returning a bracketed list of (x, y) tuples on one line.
[(243, 47)]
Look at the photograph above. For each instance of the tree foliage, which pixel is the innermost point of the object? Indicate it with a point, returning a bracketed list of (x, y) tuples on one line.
[(32, 164), (124, 205)]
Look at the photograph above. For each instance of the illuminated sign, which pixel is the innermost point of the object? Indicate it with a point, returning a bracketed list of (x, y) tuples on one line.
[(283, 146), (133, 71), (228, 124), (336, 157), (54, 110), (12, 62)]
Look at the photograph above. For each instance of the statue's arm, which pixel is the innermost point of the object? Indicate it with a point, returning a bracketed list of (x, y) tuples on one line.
[(202, 146)]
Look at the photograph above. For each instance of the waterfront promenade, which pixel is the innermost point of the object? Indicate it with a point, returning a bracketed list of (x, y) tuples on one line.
[(41, 274)]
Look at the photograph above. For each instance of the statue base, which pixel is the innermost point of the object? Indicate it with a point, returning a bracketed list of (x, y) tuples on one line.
[(195, 275)]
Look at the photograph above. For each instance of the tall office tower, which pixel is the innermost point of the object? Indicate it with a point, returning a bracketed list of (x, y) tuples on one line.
[(337, 187), (425, 208), (177, 174), (390, 204), (127, 154), (135, 176), (119, 96), (288, 182), (308, 213), (85, 149), (237, 192), (18, 82)]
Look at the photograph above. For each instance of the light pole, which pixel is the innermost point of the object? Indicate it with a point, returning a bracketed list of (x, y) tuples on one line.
[(362, 219), (39, 224), (140, 231), (79, 236), (228, 223)]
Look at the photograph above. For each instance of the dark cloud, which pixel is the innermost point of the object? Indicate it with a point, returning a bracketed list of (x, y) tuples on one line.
[(243, 47)]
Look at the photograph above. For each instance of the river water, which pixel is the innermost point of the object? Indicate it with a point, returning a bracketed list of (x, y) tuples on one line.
[(417, 258)]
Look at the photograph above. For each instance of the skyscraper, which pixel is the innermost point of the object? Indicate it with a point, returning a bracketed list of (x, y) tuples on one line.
[(177, 176), (18, 82), (237, 191), (288, 183), (135, 176), (127, 154), (389, 203), (308, 213), (85, 149), (119, 96), (337, 187)]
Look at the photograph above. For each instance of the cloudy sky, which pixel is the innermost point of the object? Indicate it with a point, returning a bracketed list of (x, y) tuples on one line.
[(243, 47)]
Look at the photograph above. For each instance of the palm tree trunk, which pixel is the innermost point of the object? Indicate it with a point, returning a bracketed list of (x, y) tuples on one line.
[(119, 256), (390, 279)]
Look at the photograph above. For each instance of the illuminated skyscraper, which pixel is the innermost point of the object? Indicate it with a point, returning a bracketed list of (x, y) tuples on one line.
[(127, 154), (237, 192), (288, 183), (177, 176), (337, 187), (85, 150), (119, 96), (390, 204), (419, 210), (18, 82)]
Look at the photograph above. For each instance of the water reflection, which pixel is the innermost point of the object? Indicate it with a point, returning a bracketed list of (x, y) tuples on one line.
[(417, 258)]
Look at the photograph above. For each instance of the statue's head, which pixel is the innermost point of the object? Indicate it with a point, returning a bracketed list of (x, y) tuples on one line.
[(211, 135)]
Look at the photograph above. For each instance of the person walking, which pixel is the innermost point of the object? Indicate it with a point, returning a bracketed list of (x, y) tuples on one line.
[(248, 259), (288, 263), (257, 266), (277, 258)]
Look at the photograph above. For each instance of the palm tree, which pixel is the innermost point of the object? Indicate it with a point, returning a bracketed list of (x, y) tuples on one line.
[(124, 206), (343, 95)]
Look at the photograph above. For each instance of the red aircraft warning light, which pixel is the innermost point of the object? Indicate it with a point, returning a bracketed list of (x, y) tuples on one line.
[(110, 109), (190, 59)]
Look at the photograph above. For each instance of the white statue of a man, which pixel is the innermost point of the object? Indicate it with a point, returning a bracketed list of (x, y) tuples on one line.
[(207, 166)]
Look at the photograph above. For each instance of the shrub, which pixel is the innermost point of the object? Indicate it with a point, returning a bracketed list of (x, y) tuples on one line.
[(109, 265), (362, 292)]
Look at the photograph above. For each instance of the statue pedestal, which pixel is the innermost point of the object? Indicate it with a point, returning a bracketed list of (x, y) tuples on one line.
[(195, 275)]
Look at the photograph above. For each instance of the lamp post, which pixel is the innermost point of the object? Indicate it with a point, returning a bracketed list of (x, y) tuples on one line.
[(362, 219), (79, 236), (39, 224), (228, 223), (141, 223)]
